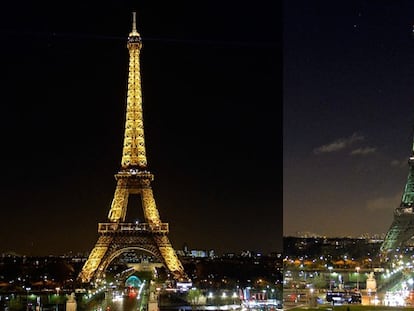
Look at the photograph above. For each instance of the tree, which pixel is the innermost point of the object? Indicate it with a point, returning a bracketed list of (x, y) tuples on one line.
[(193, 296), (319, 281)]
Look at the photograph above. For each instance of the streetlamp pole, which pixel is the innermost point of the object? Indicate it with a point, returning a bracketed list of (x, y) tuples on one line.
[(357, 269), (57, 298), (330, 277), (27, 297)]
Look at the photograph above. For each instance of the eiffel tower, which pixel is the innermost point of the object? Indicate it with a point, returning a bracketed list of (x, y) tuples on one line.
[(402, 227), (117, 236)]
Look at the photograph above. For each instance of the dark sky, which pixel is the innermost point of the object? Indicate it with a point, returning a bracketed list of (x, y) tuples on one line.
[(211, 75), (348, 114)]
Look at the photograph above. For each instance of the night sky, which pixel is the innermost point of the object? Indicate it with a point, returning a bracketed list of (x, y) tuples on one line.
[(211, 80), (348, 114)]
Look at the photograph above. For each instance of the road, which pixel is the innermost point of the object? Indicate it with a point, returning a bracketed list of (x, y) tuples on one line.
[(120, 304)]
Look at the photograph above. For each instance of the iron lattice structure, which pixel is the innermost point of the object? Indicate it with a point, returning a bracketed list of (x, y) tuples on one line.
[(116, 236), (402, 227)]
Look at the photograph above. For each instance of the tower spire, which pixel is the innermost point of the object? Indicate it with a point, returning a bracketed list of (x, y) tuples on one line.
[(134, 31), (134, 21)]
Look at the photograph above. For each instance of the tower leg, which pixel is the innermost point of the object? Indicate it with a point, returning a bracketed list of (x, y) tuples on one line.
[(120, 202), (170, 257), (94, 259)]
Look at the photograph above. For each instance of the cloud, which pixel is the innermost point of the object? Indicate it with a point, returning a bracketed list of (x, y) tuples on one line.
[(384, 202), (338, 144), (398, 163), (363, 151)]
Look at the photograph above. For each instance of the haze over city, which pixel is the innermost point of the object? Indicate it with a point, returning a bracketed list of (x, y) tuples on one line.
[(348, 114)]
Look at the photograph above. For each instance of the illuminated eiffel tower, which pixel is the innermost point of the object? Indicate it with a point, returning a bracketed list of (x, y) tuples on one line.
[(402, 227), (117, 236)]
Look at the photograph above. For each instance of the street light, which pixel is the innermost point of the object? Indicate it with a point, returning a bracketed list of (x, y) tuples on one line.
[(357, 269), (311, 297), (234, 296), (57, 298), (27, 297), (210, 297), (330, 279)]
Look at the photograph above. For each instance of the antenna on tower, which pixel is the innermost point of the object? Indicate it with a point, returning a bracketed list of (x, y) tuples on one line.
[(134, 22), (134, 32)]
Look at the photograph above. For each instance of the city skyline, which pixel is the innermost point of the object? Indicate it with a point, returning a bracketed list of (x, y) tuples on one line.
[(348, 114), (208, 76)]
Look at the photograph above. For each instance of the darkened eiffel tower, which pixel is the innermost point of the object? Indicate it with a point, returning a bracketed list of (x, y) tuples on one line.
[(117, 236), (402, 228)]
